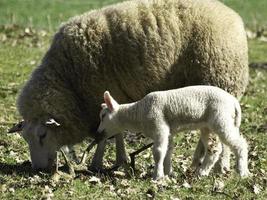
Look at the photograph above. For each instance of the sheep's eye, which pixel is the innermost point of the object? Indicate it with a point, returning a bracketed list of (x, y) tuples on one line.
[(42, 136)]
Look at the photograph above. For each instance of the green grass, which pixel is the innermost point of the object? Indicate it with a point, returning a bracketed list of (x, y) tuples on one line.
[(253, 12), (22, 49), (48, 14), (257, 51)]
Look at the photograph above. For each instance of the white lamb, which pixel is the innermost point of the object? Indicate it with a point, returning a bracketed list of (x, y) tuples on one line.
[(159, 115)]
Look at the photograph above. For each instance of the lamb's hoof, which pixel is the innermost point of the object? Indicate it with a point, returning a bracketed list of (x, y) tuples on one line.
[(245, 174), (170, 174), (221, 169), (158, 176), (201, 172), (158, 179), (195, 166)]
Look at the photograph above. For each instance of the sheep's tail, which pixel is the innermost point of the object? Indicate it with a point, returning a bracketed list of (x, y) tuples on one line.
[(237, 115)]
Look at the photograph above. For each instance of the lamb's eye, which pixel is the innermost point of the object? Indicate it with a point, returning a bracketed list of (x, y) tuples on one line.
[(41, 138), (103, 115)]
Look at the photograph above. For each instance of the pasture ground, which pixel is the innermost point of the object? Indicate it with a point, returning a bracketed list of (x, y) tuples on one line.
[(26, 29)]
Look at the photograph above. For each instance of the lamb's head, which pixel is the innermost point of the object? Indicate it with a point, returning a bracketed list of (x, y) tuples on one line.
[(108, 118), (41, 140)]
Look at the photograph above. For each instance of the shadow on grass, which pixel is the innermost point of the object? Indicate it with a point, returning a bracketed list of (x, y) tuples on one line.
[(23, 169)]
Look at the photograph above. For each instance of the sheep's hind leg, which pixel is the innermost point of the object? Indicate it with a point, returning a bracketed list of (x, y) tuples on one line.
[(213, 150)]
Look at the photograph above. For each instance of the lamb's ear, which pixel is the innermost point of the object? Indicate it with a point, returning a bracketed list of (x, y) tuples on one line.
[(17, 127), (104, 105), (52, 123), (111, 103)]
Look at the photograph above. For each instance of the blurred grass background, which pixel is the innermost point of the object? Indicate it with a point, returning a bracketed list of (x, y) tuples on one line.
[(48, 14), (21, 50)]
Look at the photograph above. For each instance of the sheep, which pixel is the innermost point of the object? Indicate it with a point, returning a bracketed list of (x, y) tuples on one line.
[(145, 45), (159, 115)]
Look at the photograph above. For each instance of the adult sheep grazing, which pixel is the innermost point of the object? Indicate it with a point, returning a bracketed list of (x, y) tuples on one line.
[(144, 45)]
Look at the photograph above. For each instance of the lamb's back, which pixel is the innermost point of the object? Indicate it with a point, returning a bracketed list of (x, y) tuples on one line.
[(189, 104)]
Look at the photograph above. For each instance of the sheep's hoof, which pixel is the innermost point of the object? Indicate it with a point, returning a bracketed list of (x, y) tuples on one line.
[(123, 163), (95, 169), (114, 167), (102, 170), (61, 175)]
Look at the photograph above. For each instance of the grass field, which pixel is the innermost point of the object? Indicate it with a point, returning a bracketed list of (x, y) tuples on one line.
[(49, 14), (21, 49)]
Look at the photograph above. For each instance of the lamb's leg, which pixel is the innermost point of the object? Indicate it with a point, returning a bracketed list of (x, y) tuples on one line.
[(167, 161), (70, 151), (97, 162), (223, 164), (231, 136), (160, 147), (198, 154), (213, 150), (121, 156)]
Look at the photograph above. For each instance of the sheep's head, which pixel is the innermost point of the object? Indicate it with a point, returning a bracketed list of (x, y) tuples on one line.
[(108, 126), (41, 140)]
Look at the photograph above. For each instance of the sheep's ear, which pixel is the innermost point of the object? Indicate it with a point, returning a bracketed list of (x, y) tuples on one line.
[(110, 102), (52, 123), (17, 127)]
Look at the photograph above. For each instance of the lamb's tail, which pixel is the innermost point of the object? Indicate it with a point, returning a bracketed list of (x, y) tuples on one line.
[(237, 117)]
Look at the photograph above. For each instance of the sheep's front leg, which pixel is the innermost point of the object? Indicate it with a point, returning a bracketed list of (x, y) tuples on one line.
[(160, 147), (97, 162), (121, 156), (70, 152), (167, 161)]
